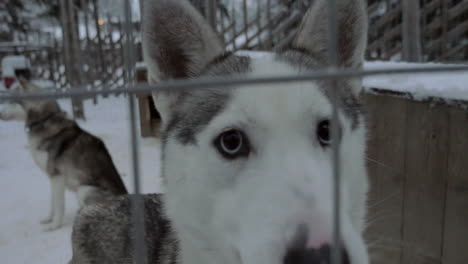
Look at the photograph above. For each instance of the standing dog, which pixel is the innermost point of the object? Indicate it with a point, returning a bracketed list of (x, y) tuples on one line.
[(70, 156), (248, 171)]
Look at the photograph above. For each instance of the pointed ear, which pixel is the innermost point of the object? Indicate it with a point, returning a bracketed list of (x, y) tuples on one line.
[(352, 26), (177, 43)]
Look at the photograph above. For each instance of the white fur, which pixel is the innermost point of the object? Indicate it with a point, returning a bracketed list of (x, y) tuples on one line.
[(250, 209), (57, 204)]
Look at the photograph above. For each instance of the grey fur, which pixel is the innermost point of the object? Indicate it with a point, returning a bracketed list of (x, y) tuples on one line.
[(349, 101), (179, 44), (351, 23), (177, 38), (70, 147), (203, 104), (111, 243), (65, 151)]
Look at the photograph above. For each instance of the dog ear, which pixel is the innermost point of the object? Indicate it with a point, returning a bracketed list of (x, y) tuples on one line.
[(352, 26), (177, 43)]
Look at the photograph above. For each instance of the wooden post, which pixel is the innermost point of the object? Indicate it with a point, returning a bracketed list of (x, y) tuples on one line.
[(444, 27), (99, 38), (65, 36), (223, 28), (210, 13), (76, 65), (67, 16), (259, 26), (246, 19), (234, 31), (412, 50), (270, 26)]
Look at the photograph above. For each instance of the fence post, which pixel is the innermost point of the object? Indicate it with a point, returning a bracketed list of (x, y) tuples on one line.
[(77, 65), (246, 19), (210, 13), (412, 50), (101, 65), (67, 17)]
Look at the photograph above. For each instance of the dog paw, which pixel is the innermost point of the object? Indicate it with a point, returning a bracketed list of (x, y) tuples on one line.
[(47, 220), (52, 227)]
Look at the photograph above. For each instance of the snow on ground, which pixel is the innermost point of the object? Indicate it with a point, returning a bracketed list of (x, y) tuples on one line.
[(24, 189)]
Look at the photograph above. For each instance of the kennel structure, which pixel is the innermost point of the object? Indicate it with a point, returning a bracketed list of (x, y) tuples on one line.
[(417, 163), (418, 171)]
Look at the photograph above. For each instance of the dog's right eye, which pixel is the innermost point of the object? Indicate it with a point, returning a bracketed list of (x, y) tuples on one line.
[(232, 144)]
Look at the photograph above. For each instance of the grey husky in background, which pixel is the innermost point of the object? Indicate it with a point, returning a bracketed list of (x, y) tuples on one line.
[(248, 171), (70, 156)]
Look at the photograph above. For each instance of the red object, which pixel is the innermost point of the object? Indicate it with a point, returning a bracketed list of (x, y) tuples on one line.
[(9, 81)]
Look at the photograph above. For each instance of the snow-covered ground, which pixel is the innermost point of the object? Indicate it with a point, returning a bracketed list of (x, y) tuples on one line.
[(24, 189)]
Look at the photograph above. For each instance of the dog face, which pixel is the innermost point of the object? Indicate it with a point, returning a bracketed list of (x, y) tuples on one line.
[(249, 170), (34, 109)]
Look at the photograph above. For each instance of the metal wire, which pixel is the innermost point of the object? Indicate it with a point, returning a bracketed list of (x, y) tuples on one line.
[(177, 85), (333, 57), (137, 202)]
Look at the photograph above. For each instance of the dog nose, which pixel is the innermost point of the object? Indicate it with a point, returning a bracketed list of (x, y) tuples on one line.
[(303, 252), (320, 255)]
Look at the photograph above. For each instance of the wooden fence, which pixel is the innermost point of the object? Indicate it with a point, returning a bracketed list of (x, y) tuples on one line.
[(264, 25), (418, 170), (443, 29)]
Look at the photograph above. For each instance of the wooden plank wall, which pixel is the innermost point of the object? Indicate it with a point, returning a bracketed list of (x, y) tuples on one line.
[(443, 23), (418, 170)]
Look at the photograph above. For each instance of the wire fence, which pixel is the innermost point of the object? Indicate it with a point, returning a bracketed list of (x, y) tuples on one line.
[(131, 88)]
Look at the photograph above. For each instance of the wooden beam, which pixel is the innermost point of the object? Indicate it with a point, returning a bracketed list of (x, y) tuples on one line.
[(427, 138), (456, 209)]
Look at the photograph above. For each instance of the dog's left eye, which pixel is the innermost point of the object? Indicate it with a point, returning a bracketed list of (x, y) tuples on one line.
[(232, 144), (323, 133)]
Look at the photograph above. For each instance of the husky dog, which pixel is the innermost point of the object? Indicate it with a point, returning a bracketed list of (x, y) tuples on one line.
[(70, 156), (102, 232), (248, 171)]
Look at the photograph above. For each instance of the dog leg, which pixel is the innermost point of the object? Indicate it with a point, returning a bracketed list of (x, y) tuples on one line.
[(48, 219), (58, 202)]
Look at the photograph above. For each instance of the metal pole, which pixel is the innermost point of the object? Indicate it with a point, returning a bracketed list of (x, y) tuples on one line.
[(180, 85), (137, 203), (333, 43)]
